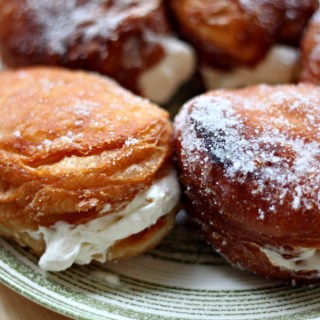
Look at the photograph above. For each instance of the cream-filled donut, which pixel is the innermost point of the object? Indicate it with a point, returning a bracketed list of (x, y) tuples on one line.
[(85, 167), (249, 164), (130, 41)]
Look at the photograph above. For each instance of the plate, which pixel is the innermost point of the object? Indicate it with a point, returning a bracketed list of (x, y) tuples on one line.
[(181, 279)]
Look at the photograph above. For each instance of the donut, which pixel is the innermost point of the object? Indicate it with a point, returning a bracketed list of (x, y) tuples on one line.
[(130, 41), (228, 33), (310, 47), (85, 167), (249, 164), (296, 17), (241, 43)]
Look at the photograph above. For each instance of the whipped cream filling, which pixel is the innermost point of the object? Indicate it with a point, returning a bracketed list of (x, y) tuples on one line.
[(67, 244), (298, 259), (279, 66), (159, 82)]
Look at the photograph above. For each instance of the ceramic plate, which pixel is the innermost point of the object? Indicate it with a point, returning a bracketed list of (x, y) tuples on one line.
[(181, 279)]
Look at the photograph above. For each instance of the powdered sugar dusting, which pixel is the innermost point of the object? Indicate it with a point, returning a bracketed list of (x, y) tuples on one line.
[(84, 19), (271, 137)]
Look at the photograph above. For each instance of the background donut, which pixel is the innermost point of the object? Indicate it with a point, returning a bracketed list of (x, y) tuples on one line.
[(310, 49), (242, 43), (130, 41)]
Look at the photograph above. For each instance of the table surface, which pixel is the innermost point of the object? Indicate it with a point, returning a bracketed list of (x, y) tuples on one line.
[(15, 307)]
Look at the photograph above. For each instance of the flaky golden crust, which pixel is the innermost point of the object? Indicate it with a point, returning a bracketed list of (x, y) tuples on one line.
[(249, 163), (115, 38), (235, 32), (72, 142), (227, 33), (310, 48)]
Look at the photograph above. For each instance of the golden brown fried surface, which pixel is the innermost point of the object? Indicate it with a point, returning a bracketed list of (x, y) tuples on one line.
[(310, 49), (249, 163), (71, 142), (115, 38), (296, 17), (231, 32), (236, 32)]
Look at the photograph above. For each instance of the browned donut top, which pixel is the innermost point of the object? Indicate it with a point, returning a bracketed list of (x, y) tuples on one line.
[(71, 142), (297, 15), (254, 155), (114, 37), (228, 32), (240, 32)]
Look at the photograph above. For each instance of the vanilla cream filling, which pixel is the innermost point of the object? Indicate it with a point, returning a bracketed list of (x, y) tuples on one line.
[(298, 259), (279, 66), (178, 64), (67, 244)]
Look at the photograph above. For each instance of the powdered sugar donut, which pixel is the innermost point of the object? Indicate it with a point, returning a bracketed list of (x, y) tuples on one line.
[(130, 41), (249, 163)]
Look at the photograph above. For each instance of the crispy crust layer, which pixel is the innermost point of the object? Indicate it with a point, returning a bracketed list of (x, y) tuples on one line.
[(249, 163), (71, 142)]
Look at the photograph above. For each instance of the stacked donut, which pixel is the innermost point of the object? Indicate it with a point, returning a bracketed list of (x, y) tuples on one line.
[(86, 170)]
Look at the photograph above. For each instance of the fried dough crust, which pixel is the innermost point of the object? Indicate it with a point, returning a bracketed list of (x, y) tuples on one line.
[(310, 48), (227, 33), (296, 17), (115, 38), (230, 33), (249, 164), (71, 142)]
